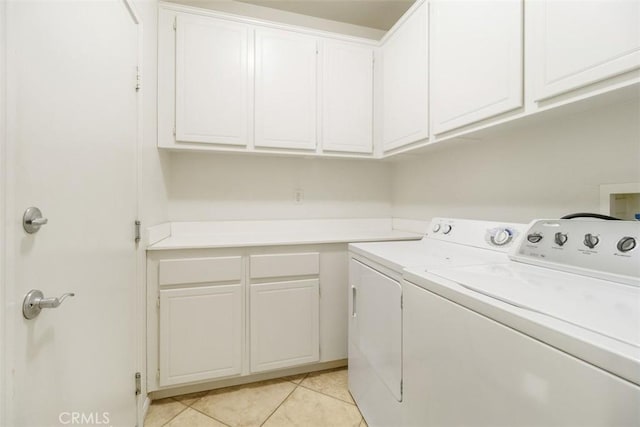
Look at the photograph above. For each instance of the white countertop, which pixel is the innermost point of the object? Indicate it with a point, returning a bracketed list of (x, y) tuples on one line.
[(228, 234)]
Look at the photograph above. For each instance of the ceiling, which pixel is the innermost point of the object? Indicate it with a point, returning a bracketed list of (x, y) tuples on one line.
[(379, 14)]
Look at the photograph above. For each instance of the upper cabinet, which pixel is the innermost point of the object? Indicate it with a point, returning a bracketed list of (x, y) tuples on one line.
[(212, 80), (448, 68), (227, 83), (476, 61), (286, 88), (575, 44), (404, 77), (347, 97)]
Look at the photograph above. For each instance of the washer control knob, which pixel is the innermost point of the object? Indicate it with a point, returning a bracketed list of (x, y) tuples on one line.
[(534, 237), (626, 244), (501, 236), (561, 238), (436, 228), (446, 229), (591, 241)]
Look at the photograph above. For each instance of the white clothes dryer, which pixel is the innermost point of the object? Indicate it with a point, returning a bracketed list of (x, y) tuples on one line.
[(376, 302)]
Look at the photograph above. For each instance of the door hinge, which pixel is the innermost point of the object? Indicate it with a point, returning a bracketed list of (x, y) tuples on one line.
[(175, 23), (138, 237), (137, 79), (138, 383)]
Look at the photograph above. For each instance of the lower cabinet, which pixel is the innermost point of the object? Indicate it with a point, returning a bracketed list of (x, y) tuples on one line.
[(200, 333), (284, 324), (216, 314)]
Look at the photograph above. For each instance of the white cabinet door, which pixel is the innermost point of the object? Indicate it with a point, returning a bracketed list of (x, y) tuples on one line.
[(200, 333), (284, 324), (476, 60), (285, 89), (404, 82), (576, 43), (212, 80), (347, 97)]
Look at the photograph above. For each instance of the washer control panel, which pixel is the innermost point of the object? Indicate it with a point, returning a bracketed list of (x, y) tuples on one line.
[(592, 247)]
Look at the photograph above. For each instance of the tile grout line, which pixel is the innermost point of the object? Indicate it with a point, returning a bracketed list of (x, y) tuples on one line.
[(285, 399), (172, 418), (328, 395), (213, 418), (204, 413)]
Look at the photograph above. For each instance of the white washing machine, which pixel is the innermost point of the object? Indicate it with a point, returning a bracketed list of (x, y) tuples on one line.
[(376, 300), (551, 338)]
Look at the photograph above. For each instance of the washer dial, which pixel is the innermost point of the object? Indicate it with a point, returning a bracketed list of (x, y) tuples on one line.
[(534, 237), (626, 244), (591, 241), (561, 238)]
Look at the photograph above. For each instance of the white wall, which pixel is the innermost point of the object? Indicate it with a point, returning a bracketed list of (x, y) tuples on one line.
[(3, 390), (546, 170), (223, 186), (153, 164)]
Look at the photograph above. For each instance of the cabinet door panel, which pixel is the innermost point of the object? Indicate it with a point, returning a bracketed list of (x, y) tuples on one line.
[(476, 49), (200, 333), (578, 43), (347, 97), (284, 324), (404, 83), (285, 90), (212, 81)]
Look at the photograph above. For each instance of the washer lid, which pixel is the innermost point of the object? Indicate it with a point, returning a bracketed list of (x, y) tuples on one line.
[(606, 308)]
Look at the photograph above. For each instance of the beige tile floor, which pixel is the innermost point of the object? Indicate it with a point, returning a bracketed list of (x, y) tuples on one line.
[(319, 399)]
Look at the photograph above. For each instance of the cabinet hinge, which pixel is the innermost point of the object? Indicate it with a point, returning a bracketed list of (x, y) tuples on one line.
[(158, 375), (401, 387), (138, 383), (174, 130), (175, 23), (137, 79), (401, 301), (136, 226), (158, 301)]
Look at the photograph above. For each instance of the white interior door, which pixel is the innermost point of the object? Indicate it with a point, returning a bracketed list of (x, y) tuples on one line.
[(71, 151)]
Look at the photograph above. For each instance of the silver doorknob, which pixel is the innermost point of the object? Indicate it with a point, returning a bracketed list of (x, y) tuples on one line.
[(35, 301), (32, 220)]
